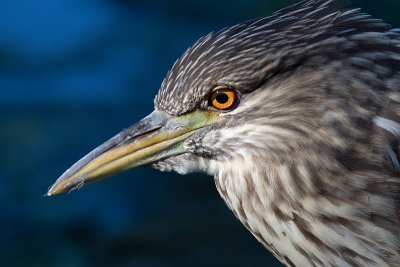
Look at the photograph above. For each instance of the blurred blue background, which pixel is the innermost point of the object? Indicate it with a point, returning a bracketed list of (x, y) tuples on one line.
[(72, 74)]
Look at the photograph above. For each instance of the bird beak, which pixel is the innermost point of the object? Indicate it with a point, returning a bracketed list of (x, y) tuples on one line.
[(156, 137)]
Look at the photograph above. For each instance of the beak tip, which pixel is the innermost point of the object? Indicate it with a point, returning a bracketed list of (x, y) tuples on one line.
[(55, 188), (64, 184), (51, 191)]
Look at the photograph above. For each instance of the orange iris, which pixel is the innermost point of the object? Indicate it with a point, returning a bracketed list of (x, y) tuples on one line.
[(223, 98)]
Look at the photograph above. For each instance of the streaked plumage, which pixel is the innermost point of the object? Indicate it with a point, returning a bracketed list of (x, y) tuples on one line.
[(309, 159)]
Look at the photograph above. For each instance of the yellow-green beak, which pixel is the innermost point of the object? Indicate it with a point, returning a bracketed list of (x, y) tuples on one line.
[(156, 137)]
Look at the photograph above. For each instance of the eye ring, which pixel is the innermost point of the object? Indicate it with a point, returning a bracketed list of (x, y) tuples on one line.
[(223, 98)]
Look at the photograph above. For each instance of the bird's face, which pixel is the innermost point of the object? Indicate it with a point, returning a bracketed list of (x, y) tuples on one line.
[(223, 99), (296, 116)]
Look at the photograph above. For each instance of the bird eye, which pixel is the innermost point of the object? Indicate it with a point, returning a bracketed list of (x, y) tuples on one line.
[(223, 98)]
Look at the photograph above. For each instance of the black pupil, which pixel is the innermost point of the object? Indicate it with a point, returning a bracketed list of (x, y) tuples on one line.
[(221, 98)]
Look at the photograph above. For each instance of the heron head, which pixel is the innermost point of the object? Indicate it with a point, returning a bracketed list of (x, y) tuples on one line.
[(245, 91)]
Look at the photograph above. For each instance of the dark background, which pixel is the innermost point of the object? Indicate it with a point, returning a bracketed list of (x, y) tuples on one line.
[(72, 74)]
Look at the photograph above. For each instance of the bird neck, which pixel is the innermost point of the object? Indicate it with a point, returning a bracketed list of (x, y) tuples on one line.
[(286, 208)]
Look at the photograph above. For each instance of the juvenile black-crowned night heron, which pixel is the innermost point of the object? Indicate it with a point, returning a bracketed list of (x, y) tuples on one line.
[(297, 117)]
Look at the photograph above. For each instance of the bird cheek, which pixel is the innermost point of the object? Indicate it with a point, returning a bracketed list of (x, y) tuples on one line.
[(190, 146), (196, 147)]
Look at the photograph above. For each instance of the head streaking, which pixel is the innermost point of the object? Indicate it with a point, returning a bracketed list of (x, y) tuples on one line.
[(296, 116)]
